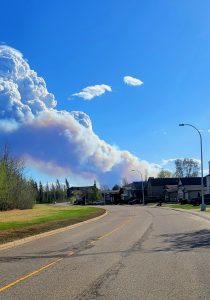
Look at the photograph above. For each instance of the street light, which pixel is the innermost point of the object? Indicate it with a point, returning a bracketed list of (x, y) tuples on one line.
[(142, 184), (203, 206)]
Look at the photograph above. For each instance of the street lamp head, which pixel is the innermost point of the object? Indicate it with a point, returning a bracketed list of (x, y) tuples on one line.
[(181, 124)]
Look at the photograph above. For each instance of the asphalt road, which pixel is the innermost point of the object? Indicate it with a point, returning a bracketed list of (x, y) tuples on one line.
[(133, 253)]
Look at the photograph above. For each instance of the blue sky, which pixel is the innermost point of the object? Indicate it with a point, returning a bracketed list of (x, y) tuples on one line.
[(166, 44)]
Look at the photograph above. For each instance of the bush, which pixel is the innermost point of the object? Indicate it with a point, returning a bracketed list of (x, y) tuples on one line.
[(183, 201)]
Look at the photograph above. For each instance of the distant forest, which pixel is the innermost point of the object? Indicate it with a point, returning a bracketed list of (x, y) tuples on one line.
[(18, 192)]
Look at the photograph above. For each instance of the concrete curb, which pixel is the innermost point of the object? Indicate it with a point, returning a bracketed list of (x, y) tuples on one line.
[(48, 233)]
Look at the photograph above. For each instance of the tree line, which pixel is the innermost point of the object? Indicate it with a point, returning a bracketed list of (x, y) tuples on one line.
[(51, 193), (19, 192)]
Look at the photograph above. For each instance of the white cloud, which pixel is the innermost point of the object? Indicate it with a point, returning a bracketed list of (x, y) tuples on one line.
[(91, 92), (82, 118), (167, 161), (132, 81), (56, 142), (172, 160), (23, 94)]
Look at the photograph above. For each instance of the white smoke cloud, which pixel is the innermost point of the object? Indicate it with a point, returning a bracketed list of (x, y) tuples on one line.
[(23, 94), (82, 118), (172, 160), (59, 143), (91, 92), (129, 80)]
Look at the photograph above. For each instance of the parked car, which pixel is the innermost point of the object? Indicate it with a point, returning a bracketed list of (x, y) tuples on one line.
[(198, 200)]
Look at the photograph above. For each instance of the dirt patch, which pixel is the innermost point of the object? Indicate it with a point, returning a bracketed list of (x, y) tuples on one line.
[(19, 233)]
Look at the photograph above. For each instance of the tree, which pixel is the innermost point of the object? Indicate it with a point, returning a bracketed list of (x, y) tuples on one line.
[(67, 184), (124, 181), (41, 193), (94, 195), (35, 188), (47, 193), (53, 193), (67, 189), (164, 174), (104, 187), (15, 190), (116, 187), (186, 167)]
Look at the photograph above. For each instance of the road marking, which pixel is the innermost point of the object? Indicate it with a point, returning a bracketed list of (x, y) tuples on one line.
[(60, 259), (115, 229), (111, 232), (33, 273)]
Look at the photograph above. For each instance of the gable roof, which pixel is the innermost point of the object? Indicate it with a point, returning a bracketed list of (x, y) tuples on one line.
[(163, 181), (171, 188), (175, 181), (137, 185), (192, 180)]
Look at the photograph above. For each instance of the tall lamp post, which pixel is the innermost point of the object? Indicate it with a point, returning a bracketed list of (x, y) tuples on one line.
[(203, 206), (142, 185)]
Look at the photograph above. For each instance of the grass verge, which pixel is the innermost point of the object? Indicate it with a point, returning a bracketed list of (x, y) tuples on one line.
[(186, 206), (17, 224)]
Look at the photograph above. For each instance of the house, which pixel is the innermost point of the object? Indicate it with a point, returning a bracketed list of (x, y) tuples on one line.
[(175, 189), (134, 190), (81, 192), (171, 192), (190, 187), (208, 183), (156, 186), (109, 196)]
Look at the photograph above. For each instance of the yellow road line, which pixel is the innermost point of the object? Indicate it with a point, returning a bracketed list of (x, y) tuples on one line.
[(114, 230), (111, 232), (60, 259), (34, 273)]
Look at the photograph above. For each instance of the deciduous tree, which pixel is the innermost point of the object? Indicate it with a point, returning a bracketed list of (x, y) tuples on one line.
[(186, 167)]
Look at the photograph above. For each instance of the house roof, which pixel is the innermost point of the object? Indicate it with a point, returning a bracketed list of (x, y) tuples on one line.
[(81, 188), (163, 181), (171, 188), (192, 180), (175, 181), (137, 185)]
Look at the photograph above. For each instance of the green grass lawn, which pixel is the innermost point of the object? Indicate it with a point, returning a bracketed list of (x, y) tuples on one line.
[(185, 206), (16, 224)]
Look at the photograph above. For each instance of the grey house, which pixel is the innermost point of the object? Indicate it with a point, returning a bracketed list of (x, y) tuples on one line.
[(156, 186), (190, 187), (175, 189), (134, 190)]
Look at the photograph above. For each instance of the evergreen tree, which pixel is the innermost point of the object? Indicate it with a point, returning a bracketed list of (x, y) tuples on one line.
[(41, 193)]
